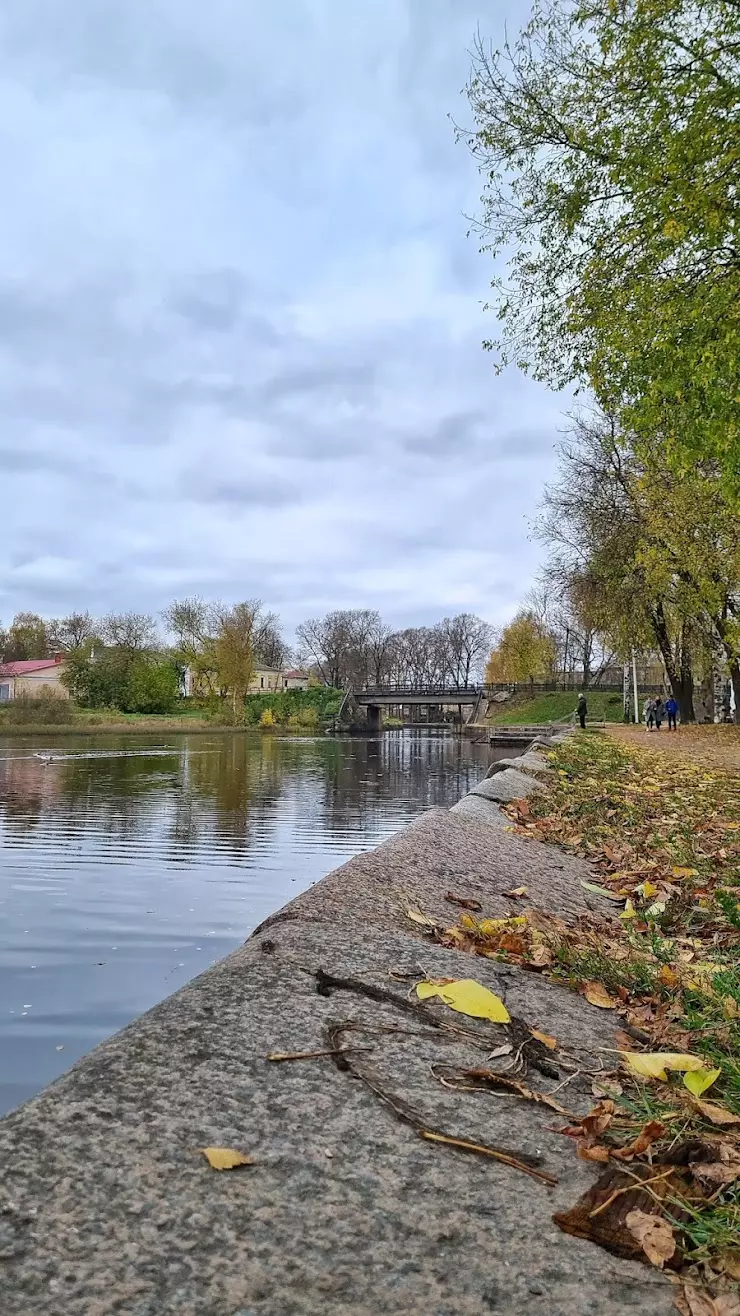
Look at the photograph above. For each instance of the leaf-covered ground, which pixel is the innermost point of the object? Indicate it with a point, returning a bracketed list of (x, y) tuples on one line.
[(662, 832), (715, 747)]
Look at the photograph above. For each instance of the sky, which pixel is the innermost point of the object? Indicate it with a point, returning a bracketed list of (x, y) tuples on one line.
[(241, 320)]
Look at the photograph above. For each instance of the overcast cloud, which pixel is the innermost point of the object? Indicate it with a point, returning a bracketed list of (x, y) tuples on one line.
[(240, 319)]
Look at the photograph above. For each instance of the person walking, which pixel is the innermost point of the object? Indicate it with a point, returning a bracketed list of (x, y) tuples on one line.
[(648, 712), (671, 708), (659, 712), (582, 710)]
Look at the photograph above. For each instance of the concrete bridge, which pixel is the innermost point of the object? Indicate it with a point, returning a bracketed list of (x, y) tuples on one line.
[(376, 698)]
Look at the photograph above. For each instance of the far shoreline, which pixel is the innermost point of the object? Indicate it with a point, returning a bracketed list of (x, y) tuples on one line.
[(180, 727)]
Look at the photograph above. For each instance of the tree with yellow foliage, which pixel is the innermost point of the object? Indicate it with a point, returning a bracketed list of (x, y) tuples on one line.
[(527, 651)]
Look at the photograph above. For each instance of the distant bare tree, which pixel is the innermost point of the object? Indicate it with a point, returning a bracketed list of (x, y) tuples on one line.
[(468, 640), (380, 642), (340, 645), (135, 632), (269, 646), (68, 634)]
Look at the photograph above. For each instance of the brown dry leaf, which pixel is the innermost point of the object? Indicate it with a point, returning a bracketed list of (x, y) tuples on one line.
[(598, 1120), (699, 1302), (728, 1263), (623, 1040), (513, 944), (550, 1042), (600, 1214), (717, 1114), (596, 994), (607, 1089), (225, 1158), (718, 1173), (465, 902), (645, 1138), (541, 956), (597, 1153), (654, 1234), (517, 893)]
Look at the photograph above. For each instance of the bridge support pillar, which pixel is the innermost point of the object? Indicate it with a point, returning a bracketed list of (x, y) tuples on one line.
[(374, 717)]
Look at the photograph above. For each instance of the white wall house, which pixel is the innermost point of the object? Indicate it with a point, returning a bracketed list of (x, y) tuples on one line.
[(32, 677), (294, 680)]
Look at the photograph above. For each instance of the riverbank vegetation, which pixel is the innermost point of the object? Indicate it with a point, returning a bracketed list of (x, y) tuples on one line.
[(557, 706), (662, 833), (606, 135)]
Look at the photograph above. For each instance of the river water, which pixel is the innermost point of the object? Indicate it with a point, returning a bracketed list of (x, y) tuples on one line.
[(128, 866)]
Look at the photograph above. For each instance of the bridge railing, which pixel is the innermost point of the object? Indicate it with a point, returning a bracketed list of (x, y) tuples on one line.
[(452, 694), (444, 693)]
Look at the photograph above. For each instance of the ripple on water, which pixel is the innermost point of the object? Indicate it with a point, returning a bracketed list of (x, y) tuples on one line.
[(121, 878)]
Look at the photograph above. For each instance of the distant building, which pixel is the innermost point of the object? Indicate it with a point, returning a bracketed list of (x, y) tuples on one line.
[(265, 679), (32, 677), (294, 680)]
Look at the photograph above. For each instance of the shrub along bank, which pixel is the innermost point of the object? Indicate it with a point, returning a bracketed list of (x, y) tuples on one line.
[(298, 710)]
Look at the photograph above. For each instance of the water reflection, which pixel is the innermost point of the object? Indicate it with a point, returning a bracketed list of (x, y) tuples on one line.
[(126, 867)]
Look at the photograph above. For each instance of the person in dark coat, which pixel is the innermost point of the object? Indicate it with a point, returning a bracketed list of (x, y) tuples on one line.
[(659, 712), (671, 708), (582, 710)]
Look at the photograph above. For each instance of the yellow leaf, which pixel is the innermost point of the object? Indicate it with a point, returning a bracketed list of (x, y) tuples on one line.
[(550, 1042), (417, 916), (596, 994), (225, 1158), (491, 926), (685, 872), (698, 1080), (657, 907), (431, 987), (653, 1064), (730, 1007), (649, 889), (602, 891), (668, 976), (629, 910), (467, 997), (467, 921)]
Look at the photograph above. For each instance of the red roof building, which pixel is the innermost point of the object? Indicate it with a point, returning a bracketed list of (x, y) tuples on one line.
[(32, 676)]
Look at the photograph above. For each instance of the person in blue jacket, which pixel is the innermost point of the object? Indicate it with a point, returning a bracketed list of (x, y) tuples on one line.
[(671, 708)]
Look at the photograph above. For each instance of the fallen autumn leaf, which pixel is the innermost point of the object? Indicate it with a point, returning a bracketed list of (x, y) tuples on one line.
[(653, 1064), (225, 1158), (467, 997), (654, 1234), (596, 994)]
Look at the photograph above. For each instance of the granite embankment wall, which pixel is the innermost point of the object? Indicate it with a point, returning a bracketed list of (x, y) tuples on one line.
[(107, 1207)]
